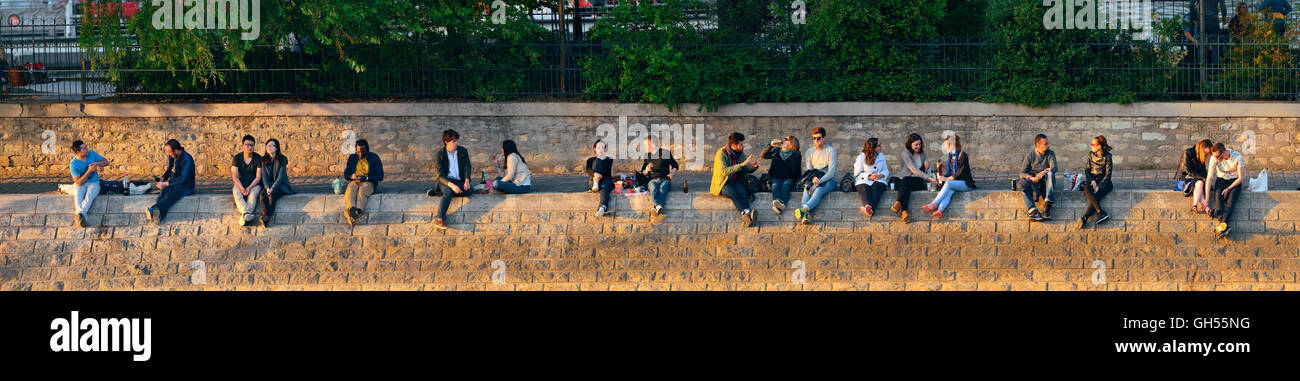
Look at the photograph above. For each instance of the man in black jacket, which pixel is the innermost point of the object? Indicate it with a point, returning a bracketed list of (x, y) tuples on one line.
[(363, 172), (176, 183), (454, 171), (658, 169)]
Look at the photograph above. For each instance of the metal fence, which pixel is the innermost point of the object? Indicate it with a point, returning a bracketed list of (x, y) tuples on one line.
[(45, 63)]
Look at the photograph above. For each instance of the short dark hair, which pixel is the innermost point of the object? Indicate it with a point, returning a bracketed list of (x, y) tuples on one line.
[(76, 145), (735, 138), (1218, 147), (248, 138), (363, 143), (173, 144), (818, 130), (450, 135), (1039, 138)]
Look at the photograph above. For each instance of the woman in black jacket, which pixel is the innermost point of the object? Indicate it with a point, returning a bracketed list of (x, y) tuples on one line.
[(599, 167), (1097, 168), (787, 162), (955, 175), (275, 179), (1192, 172)]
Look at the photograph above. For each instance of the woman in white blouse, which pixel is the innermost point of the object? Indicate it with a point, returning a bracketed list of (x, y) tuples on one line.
[(1224, 179), (869, 174)]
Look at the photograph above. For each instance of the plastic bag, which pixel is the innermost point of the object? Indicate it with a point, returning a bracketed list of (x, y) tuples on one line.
[(338, 186), (1260, 184)]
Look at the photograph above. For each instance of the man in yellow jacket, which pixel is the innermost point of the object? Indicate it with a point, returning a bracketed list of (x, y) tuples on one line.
[(729, 175)]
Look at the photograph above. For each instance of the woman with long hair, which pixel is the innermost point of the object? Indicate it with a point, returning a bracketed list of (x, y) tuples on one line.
[(275, 178), (869, 174), (514, 176)]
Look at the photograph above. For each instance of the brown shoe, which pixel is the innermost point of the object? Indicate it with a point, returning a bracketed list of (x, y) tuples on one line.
[(437, 223), (351, 215), (905, 217), (898, 207)]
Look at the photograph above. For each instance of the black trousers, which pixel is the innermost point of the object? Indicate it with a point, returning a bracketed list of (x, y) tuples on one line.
[(268, 201), (871, 194), (1094, 198), (1220, 205), (905, 186)]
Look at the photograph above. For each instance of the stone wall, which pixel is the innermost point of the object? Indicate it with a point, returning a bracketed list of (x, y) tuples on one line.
[(553, 241), (555, 137)]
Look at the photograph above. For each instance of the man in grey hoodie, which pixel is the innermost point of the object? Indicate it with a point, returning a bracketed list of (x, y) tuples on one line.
[(1038, 177)]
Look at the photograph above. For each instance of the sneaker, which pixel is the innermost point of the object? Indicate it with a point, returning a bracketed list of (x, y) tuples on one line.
[(1222, 230), (938, 215), (930, 207), (1034, 216), (437, 223), (602, 211), (80, 219), (802, 215), (1102, 217), (896, 208), (869, 210), (747, 217), (243, 221), (777, 206), (905, 217), (864, 210), (351, 215), (1083, 222), (1047, 210), (432, 192), (153, 214)]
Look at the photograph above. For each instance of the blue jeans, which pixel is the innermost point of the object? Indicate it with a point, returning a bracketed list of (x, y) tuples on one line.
[(509, 187), (1042, 188), (168, 197), (945, 194), (447, 194), (85, 196), (659, 189), (738, 194), (781, 190), (814, 197)]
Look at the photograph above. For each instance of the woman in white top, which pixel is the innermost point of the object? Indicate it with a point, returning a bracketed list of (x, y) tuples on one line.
[(515, 177), (869, 174), (1224, 178)]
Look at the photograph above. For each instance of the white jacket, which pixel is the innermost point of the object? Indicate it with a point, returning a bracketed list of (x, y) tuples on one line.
[(862, 172)]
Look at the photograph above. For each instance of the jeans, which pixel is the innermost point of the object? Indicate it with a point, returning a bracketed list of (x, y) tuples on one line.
[(1220, 205), (247, 204), (813, 197), (510, 187), (167, 197), (871, 194), (268, 201), (1094, 198), (738, 194), (659, 189), (945, 194), (1043, 188), (781, 190), (905, 188), (448, 194), (85, 196), (606, 186)]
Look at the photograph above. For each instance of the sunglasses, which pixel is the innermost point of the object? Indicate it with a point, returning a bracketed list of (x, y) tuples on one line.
[(818, 137)]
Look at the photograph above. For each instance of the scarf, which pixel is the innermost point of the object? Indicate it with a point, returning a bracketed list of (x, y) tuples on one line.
[(785, 154), (952, 163)]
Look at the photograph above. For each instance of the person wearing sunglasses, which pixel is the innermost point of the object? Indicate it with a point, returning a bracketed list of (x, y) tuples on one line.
[(246, 174), (820, 157), (1097, 168)]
